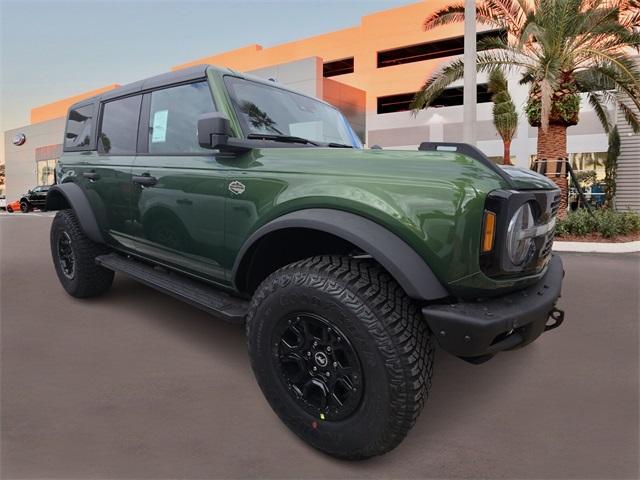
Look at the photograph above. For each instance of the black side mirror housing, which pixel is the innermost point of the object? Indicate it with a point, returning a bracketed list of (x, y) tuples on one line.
[(214, 130)]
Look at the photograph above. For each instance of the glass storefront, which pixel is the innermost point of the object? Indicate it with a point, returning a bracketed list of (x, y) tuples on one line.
[(44, 171)]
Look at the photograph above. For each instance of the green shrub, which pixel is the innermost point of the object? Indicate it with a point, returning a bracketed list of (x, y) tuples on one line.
[(606, 222)]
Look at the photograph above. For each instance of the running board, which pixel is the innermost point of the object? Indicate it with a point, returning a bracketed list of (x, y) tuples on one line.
[(199, 294)]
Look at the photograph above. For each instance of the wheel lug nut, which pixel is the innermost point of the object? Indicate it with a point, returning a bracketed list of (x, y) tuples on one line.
[(328, 349), (315, 369), (308, 354), (328, 374), (335, 364)]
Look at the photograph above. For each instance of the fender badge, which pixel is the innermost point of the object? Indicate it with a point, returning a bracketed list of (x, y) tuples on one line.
[(236, 187)]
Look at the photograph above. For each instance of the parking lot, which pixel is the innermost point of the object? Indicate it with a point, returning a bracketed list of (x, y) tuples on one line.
[(136, 384)]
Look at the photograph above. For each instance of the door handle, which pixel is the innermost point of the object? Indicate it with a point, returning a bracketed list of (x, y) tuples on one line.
[(145, 180), (92, 176)]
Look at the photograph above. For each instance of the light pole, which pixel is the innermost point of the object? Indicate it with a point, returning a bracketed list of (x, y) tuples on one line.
[(470, 73)]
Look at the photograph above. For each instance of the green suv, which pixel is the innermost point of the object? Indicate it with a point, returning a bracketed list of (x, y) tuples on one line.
[(347, 265)]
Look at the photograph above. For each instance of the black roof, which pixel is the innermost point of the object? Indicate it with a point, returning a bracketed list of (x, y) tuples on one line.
[(179, 76)]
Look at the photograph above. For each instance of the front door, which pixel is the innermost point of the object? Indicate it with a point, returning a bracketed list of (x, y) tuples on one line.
[(178, 187)]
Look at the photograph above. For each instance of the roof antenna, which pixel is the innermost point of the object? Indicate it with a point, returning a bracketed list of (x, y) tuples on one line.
[(271, 79)]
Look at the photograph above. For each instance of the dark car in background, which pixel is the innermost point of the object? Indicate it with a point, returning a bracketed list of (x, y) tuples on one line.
[(35, 198)]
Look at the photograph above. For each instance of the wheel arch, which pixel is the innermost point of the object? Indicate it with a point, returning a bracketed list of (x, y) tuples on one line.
[(338, 230), (70, 196)]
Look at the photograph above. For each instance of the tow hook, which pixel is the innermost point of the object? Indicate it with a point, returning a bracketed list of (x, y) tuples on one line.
[(557, 317)]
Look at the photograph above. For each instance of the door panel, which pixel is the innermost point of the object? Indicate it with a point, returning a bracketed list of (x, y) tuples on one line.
[(180, 219), (177, 208)]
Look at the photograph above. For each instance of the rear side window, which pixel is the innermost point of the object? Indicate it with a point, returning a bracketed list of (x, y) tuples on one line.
[(119, 126), (173, 119), (79, 128)]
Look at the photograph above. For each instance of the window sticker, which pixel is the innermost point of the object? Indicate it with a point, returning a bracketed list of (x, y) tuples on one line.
[(159, 126)]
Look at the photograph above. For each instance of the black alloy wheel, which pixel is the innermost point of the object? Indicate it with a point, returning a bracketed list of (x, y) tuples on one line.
[(66, 257), (318, 365)]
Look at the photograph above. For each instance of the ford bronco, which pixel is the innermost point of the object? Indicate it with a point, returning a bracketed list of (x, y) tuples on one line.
[(347, 265)]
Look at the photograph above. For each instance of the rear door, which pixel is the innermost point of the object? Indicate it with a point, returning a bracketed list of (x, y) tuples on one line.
[(179, 188), (106, 177)]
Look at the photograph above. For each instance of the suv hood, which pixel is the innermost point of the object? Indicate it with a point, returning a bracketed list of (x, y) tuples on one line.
[(413, 165), (525, 179)]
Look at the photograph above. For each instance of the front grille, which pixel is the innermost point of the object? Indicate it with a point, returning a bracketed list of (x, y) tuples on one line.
[(545, 251), (555, 203)]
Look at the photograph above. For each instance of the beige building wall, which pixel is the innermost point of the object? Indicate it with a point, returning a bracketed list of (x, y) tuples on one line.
[(20, 170)]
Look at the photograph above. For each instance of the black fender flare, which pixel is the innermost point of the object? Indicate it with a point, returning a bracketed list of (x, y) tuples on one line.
[(394, 254), (70, 195)]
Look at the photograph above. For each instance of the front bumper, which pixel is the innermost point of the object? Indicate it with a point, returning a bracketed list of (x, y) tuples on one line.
[(483, 328)]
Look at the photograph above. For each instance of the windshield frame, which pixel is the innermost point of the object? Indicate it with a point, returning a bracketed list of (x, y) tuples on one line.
[(356, 143)]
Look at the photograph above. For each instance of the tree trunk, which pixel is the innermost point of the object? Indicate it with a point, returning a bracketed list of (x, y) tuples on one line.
[(552, 147), (507, 152)]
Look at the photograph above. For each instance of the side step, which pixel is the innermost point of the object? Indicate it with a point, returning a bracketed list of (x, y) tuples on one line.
[(199, 294)]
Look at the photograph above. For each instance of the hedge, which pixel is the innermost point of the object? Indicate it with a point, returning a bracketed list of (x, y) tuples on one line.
[(609, 223)]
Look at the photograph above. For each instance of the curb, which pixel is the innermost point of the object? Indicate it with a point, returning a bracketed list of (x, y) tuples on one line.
[(597, 247)]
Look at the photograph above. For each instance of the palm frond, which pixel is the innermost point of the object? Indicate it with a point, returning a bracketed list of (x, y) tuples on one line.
[(454, 71), (630, 117), (596, 101)]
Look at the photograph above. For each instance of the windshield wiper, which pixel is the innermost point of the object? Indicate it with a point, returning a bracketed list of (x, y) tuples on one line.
[(280, 138), (338, 145)]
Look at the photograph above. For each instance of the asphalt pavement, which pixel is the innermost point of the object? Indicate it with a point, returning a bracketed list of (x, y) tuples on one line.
[(135, 384)]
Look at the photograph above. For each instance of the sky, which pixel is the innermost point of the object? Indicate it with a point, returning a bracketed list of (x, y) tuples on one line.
[(53, 49)]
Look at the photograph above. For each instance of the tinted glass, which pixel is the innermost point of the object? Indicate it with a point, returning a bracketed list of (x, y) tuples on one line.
[(269, 110), (79, 125), (173, 122), (119, 128)]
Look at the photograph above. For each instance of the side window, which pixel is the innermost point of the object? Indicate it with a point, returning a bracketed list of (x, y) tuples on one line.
[(79, 127), (119, 126), (173, 120)]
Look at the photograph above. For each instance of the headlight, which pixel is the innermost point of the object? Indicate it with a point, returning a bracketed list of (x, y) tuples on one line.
[(519, 244)]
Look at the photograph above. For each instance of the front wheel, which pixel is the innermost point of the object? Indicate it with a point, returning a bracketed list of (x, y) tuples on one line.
[(341, 354), (24, 207), (74, 257)]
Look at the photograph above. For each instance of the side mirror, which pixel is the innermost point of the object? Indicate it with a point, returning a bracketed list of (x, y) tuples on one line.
[(214, 130)]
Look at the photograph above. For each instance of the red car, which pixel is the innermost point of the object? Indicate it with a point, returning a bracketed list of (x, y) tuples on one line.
[(13, 206)]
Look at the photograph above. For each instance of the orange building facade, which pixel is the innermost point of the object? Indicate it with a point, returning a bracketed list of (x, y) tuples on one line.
[(370, 71)]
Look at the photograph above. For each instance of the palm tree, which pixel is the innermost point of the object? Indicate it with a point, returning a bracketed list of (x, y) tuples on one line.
[(505, 117), (561, 48)]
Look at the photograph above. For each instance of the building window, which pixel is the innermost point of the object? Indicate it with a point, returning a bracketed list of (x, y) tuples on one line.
[(45, 172), (173, 123), (450, 97), (119, 126), (46, 158), (429, 50), (337, 67)]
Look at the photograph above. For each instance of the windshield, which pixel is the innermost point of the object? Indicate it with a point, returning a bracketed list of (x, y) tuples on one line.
[(269, 110)]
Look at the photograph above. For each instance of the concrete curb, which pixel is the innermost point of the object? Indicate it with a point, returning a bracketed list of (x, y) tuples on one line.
[(597, 247)]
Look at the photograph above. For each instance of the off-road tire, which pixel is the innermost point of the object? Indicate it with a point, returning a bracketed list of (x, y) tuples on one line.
[(88, 279), (25, 207), (382, 324)]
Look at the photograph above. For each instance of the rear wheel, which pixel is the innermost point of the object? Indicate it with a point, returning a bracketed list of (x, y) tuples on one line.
[(341, 354), (74, 258)]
